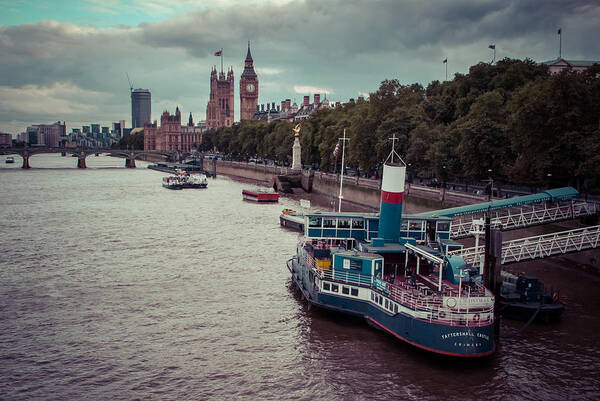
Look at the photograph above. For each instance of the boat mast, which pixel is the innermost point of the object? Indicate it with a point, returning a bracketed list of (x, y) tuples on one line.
[(344, 139)]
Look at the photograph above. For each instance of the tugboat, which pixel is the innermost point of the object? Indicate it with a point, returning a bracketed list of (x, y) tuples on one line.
[(392, 271), (522, 298)]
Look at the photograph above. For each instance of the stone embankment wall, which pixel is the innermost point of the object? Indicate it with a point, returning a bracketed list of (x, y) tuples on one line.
[(360, 191)]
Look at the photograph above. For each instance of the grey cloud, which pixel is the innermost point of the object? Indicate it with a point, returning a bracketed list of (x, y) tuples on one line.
[(349, 46)]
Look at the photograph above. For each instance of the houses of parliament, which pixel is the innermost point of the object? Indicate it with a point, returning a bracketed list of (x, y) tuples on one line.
[(221, 106), (171, 135)]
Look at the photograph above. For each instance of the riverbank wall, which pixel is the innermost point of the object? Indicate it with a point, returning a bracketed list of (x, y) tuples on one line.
[(361, 192)]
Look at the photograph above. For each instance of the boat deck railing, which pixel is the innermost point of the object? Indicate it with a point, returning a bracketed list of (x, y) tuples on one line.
[(427, 304)]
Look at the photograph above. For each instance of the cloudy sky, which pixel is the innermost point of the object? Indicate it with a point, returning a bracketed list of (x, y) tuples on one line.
[(68, 59)]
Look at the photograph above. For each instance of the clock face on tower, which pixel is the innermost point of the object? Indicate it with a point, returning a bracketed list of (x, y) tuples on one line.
[(250, 88)]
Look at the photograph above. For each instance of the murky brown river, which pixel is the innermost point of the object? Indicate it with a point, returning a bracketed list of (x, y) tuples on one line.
[(112, 287)]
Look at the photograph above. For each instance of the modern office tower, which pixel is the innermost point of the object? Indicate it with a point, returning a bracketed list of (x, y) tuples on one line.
[(140, 107)]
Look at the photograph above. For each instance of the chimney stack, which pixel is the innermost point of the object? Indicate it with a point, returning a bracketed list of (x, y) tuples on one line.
[(317, 99), (306, 100)]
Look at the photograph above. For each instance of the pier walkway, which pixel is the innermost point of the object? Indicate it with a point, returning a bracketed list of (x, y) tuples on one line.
[(538, 247), (550, 206)]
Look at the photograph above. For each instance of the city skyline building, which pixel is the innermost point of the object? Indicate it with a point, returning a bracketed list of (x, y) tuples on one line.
[(46, 134), (141, 107), (171, 135)]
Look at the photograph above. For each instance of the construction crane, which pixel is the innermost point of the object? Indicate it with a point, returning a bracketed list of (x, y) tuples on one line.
[(130, 85)]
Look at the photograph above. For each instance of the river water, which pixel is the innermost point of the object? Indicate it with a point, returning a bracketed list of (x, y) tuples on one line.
[(112, 287)]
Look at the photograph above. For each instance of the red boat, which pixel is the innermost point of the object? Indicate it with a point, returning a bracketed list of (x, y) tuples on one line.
[(259, 196)]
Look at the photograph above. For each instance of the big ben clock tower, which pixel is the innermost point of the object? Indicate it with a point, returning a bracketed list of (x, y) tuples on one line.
[(248, 89)]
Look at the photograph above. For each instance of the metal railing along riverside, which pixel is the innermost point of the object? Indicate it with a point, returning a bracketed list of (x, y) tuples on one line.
[(509, 219), (431, 307), (537, 247)]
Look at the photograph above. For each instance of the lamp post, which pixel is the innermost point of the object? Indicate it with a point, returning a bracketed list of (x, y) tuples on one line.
[(491, 184), (443, 183)]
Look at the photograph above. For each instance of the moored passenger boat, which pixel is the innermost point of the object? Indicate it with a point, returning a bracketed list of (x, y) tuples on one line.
[(9, 160), (392, 271)]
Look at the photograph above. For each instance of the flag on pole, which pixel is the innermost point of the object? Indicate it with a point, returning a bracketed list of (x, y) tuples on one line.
[(445, 61), (337, 149), (492, 47), (218, 53), (558, 31)]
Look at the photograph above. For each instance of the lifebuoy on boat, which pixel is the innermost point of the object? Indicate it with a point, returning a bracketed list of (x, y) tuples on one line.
[(451, 302), (476, 317), (555, 297)]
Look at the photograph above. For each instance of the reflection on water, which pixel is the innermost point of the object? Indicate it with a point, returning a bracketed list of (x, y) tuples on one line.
[(116, 288)]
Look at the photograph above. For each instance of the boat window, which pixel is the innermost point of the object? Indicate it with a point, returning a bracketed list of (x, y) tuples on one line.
[(395, 308), (354, 292), (326, 286), (358, 223), (403, 226), (355, 264), (386, 304), (345, 290), (334, 288), (343, 223), (372, 296), (415, 226), (443, 227), (329, 223), (314, 222), (380, 300)]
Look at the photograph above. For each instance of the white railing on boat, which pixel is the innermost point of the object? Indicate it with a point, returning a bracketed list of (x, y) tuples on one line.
[(458, 311)]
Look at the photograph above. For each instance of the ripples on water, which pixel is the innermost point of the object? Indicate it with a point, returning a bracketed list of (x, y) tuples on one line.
[(115, 288)]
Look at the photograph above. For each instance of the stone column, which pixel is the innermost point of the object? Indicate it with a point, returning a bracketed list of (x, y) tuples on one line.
[(25, 160), (297, 150)]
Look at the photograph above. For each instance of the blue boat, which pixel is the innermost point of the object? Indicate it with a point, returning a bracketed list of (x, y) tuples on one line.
[(392, 270)]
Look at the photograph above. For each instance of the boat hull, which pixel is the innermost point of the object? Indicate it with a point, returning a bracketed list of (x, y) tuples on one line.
[(523, 311), (260, 197), (445, 339), (169, 186)]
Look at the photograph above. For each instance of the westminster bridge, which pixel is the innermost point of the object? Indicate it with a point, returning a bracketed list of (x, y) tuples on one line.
[(130, 155)]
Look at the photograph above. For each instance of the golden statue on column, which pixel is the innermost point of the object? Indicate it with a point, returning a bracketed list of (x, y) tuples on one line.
[(296, 150)]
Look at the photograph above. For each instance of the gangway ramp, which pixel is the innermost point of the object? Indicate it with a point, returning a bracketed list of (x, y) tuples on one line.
[(549, 206), (526, 216), (538, 247)]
